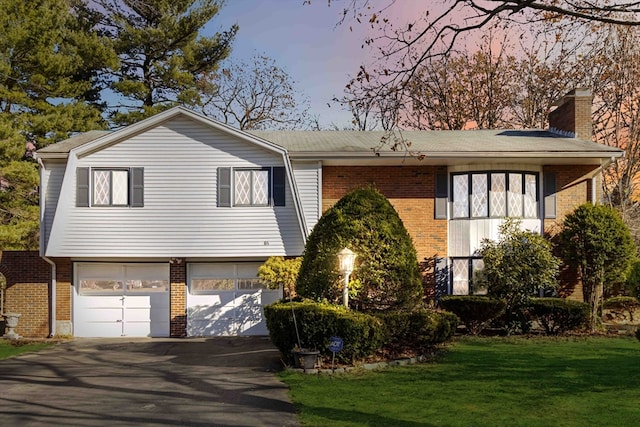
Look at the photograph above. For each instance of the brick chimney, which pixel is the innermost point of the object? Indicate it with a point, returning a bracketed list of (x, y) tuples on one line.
[(572, 117)]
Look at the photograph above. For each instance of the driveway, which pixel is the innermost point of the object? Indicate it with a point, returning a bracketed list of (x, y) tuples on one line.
[(151, 382)]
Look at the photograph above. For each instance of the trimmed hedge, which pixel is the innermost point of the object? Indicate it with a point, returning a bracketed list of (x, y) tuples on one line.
[(474, 311), (417, 329), (559, 315), (363, 334), (317, 323)]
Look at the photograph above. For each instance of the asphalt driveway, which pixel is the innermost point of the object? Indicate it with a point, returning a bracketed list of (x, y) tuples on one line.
[(151, 382)]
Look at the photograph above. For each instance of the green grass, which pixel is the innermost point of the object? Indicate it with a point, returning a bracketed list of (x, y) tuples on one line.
[(592, 381), (9, 349)]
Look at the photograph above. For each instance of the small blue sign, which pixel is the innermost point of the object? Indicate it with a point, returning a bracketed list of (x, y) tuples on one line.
[(336, 344)]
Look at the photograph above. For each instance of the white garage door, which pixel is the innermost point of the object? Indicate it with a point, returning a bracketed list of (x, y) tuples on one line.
[(114, 300), (227, 299)]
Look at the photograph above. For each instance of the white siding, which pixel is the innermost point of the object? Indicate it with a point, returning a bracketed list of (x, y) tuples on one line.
[(466, 235), (52, 176), (180, 217), (308, 177)]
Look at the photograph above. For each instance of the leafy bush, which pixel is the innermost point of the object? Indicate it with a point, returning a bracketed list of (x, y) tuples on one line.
[(622, 304), (278, 272), (515, 268), (559, 315), (632, 284), (475, 312), (387, 271), (419, 329), (595, 241), (317, 323)]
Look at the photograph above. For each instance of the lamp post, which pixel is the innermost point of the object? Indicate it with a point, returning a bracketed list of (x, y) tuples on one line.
[(346, 258)]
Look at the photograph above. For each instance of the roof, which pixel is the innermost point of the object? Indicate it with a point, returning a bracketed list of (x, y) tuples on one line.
[(443, 147), (430, 147), (67, 145)]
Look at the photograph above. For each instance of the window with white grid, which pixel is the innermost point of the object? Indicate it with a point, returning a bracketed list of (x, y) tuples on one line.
[(495, 195), (460, 196), (110, 187), (251, 187)]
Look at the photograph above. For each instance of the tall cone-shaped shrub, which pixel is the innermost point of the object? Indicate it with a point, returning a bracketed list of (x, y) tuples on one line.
[(386, 274)]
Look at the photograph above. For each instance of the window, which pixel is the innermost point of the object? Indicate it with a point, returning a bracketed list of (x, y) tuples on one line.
[(110, 187), (209, 278), (464, 276), (495, 195), (251, 187), (119, 279)]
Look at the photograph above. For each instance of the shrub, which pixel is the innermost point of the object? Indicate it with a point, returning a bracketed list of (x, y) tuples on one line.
[(632, 284), (419, 329), (622, 304), (559, 315), (638, 334), (475, 312), (317, 323), (516, 267), (596, 242), (278, 272), (387, 271)]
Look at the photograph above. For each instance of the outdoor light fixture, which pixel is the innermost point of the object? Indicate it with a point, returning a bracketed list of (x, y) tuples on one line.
[(346, 258)]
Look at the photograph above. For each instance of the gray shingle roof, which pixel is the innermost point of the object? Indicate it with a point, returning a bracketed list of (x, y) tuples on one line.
[(73, 142), (462, 142)]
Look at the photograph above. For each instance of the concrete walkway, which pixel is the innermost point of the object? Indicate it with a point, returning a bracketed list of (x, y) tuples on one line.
[(150, 382)]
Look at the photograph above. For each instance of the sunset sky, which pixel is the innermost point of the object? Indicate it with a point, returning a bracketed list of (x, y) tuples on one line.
[(305, 42)]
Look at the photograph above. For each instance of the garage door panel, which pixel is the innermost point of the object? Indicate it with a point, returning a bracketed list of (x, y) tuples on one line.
[(98, 329), (98, 302), (140, 309), (221, 327)]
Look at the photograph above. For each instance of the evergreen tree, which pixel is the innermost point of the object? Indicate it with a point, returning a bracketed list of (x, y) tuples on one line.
[(50, 67), (596, 242), (162, 55), (386, 276)]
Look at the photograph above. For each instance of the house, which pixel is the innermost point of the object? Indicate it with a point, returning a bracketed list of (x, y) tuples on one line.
[(158, 229)]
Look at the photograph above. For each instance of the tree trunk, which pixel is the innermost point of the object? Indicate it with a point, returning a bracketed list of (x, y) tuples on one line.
[(595, 296)]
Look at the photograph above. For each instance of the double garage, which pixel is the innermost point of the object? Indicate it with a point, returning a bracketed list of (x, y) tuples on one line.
[(134, 299)]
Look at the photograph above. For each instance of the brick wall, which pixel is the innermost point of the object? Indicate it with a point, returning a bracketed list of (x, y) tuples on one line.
[(178, 277), (574, 187), (27, 293), (411, 191), (574, 114)]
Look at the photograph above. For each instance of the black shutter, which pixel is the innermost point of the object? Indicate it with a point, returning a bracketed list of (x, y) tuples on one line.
[(550, 190), (224, 187), (82, 187), (442, 194), (279, 186), (137, 187)]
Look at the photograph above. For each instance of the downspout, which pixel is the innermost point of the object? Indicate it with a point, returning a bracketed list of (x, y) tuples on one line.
[(52, 312), (52, 320)]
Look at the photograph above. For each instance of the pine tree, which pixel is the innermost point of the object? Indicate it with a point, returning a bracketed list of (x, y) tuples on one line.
[(161, 52), (50, 69)]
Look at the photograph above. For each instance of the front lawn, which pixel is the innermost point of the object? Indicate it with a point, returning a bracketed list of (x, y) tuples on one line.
[(592, 381), (10, 349)]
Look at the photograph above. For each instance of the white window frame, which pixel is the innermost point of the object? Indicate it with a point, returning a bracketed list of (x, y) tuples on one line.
[(463, 202), (252, 195), (110, 171)]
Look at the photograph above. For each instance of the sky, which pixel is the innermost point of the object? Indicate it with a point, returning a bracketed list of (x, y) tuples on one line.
[(304, 40)]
